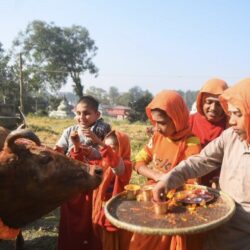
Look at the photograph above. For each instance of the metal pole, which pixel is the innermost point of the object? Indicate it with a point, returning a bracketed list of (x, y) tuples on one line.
[(21, 83)]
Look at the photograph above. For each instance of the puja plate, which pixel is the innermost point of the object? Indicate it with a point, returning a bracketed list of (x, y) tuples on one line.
[(139, 217), (194, 196)]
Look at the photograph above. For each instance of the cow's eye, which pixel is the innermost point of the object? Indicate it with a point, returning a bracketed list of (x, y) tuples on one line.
[(45, 158)]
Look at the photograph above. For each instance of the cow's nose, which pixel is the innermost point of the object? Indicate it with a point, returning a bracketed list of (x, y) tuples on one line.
[(98, 171)]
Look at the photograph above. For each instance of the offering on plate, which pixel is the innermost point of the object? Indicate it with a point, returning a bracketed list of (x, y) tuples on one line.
[(195, 196), (132, 191), (147, 192), (186, 210), (160, 207)]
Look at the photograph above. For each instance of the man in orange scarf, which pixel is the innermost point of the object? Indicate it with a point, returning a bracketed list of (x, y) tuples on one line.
[(171, 142), (210, 119), (231, 152)]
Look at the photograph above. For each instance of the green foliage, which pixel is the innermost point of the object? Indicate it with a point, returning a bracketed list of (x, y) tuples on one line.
[(189, 97), (52, 54), (99, 93), (9, 88), (137, 112)]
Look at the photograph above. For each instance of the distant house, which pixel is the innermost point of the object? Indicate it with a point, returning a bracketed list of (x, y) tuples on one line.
[(119, 112)]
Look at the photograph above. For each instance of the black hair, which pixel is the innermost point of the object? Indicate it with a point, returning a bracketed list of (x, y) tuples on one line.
[(162, 112), (90, 101)]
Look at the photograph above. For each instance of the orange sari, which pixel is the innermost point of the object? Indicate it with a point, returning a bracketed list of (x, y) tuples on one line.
[(165, 153), (108, 236), (202, 128)]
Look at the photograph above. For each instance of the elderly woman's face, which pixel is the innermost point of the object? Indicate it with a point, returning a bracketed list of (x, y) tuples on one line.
[(211, 108)]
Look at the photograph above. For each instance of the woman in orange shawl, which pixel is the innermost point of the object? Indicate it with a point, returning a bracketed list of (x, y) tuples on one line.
[(171, 143), (210, 119), (117, 166)]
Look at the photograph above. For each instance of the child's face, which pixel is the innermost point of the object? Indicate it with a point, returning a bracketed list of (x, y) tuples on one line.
[(110, 142), (85, 115), (163, 123)]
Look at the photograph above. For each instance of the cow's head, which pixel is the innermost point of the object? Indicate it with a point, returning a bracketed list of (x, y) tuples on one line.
[(34, 179)]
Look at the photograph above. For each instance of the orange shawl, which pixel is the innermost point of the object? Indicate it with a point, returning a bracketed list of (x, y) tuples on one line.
[(173, 104), (213, 86), (99, 195), (7, 233), (239, 96), (202, 128)]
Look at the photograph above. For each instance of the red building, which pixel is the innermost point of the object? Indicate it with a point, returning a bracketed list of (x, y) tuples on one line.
[(120, 112)]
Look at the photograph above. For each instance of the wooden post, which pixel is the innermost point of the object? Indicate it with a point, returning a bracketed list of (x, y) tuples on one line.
[(21, 82)]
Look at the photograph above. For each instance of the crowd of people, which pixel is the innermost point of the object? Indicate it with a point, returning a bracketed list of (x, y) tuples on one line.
[(209, 147)]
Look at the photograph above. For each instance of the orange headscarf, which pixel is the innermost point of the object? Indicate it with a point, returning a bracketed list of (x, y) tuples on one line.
[(124, 145), (213, 86), (239, 96), (7, 233), (119, 182), (173, 104)]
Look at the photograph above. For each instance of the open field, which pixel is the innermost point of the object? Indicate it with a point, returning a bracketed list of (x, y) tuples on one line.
[(42, 234)]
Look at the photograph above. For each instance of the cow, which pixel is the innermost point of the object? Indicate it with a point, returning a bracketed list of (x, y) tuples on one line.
[(34, 179), (3, 134)]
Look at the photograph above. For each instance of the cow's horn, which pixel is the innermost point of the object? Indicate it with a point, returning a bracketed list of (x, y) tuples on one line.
[(21, 133)]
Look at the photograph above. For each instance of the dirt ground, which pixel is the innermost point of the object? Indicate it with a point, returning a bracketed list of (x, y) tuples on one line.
[(40, 235)]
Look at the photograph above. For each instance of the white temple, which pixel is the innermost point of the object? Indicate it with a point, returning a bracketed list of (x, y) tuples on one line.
[(193, 109), (63, 110)]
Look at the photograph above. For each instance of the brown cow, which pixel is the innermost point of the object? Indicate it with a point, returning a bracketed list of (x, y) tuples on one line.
[(3, 134), (35, 179)]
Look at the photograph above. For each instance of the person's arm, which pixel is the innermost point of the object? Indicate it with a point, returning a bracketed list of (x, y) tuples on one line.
[(112, 159), (81, 152), (59, 149), (63, 143), (209, 159), (143, 159), (149, 173)]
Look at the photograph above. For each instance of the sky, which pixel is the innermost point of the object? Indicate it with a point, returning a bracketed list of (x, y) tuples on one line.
[(156, 45)]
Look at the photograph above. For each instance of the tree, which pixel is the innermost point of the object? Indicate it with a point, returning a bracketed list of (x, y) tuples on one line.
[(189, 97), (137, 112), (124, 99), (113, 95), (9, 88), (52, 54), (135, 93), (99, 93)]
